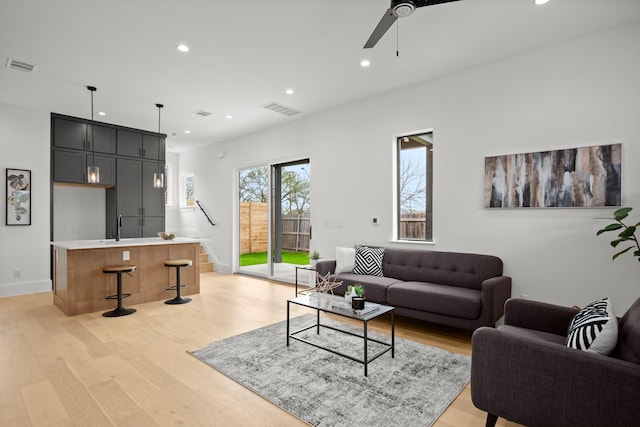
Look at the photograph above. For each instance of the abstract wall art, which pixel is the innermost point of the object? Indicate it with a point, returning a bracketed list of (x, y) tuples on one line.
[(18, 201), (574, 177)]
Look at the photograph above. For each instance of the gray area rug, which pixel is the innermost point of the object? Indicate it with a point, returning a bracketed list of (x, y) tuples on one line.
[(324, 389)]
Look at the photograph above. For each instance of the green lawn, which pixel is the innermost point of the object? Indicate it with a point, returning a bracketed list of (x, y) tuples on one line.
[(301, 258)]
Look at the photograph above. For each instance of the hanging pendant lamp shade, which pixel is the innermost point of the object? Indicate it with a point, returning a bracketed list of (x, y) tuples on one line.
[(158, 178), (93, 171)]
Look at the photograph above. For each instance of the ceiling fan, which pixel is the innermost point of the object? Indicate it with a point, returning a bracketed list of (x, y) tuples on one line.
[(398, 9)]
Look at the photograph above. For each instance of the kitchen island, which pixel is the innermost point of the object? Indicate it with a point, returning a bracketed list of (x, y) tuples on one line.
[(80, 286)]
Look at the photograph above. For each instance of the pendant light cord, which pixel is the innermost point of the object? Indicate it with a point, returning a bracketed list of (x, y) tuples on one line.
[(159, 108), (93, 148)]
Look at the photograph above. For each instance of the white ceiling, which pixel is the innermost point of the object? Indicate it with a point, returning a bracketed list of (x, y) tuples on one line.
[(246, 53)]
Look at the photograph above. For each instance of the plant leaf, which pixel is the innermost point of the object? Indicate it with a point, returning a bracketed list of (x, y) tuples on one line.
[(628, 232), (610, 227), (621, 213), (622, 252)]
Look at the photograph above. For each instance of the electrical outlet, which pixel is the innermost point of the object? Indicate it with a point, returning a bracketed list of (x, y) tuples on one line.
[(126, 256), (17, 273), (76, 229)]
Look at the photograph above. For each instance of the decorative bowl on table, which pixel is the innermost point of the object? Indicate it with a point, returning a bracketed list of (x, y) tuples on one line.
[(166, 236)]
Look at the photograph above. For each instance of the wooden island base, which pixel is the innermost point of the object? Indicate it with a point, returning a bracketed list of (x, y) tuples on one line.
[(80, 286)]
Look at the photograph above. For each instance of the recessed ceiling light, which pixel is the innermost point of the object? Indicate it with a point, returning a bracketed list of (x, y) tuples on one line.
[(187, 131), (183, 47), (365, 63), (229, 116), (289, 92), (102, 113), (540, 2)]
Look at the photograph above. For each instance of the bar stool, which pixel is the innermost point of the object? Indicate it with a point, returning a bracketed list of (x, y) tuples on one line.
[(120, 310), (177, 263)]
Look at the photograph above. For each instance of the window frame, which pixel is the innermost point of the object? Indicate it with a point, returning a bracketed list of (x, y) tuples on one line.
[(397, 170)]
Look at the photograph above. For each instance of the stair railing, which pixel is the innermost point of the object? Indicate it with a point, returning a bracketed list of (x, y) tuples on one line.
[(205, 213)]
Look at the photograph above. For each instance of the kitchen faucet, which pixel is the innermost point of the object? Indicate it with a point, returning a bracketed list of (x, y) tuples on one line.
[(118, 226)]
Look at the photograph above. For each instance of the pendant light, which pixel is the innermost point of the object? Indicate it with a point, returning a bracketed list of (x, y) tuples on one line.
[(158, 178), (93, 171)]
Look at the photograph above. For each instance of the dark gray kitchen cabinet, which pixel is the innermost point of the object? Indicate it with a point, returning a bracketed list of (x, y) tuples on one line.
[(152, 147), (129, 188), (152, 198), (129, 143), (76, 135), (137, 200), (104, 139), (71, 167), (69, 134)]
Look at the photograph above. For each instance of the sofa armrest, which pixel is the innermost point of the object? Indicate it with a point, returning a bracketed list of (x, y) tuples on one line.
[(325, 267), (539, 316), (495, 292), (536, 383)]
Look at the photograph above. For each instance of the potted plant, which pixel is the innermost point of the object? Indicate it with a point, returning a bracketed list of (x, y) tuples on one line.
[(355, 290), (627, 233), (314, 256)]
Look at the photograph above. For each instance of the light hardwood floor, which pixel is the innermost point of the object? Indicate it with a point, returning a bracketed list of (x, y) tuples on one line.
[(88, 370)]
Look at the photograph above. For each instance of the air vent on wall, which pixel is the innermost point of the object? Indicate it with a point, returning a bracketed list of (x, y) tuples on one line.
[(201, 113), (13, 64), (279, 108)]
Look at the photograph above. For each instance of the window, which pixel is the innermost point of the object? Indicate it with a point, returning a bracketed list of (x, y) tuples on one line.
[(415, 185), (168, 180)]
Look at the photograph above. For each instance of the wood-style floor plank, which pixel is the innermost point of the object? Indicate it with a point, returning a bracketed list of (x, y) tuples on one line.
[(136, 370)]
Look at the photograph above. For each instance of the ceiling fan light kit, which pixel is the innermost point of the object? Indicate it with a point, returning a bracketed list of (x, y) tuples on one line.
[(398, 9), (402, 8)]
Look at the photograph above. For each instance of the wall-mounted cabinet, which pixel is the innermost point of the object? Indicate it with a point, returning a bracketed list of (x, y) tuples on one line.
[(127, 159), (71, 167), (76, 135)]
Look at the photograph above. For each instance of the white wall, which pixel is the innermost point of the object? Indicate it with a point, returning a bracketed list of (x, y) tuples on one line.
[(586, 92), (79, 213), (24, 145)]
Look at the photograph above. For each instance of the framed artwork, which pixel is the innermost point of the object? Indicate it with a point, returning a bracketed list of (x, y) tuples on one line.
[(575, 177), (18, 201), (189, 200)]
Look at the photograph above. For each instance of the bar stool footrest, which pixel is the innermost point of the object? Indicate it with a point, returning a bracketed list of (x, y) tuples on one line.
[(116, 296)]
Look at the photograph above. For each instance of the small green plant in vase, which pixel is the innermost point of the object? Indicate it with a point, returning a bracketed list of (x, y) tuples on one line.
[(626, 233), (314, 257), (355, 290)]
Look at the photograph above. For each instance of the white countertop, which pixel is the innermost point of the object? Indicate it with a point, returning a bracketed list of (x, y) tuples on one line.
[(111, 243)]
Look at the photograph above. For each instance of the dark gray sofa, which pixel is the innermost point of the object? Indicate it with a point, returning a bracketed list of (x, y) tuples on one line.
[(449, 288), (524, 372)]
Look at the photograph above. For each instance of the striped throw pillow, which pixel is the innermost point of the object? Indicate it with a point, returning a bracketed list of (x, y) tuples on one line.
[(594, 328), (368, 261)]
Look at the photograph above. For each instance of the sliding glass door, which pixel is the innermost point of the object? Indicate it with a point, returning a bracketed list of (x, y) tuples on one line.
[(274, 219)]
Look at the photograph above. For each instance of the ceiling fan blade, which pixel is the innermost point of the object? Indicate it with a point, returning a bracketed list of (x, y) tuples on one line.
[(385, 23), (423, 3)]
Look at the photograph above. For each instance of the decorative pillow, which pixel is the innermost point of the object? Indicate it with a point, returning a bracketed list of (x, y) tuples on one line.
[(345, 259), (368, 260), (594, 328)]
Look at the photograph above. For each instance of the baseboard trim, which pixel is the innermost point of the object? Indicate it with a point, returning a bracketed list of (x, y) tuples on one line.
[(24, 288)]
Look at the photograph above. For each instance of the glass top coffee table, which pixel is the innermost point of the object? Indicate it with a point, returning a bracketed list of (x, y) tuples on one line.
[(338, 305)]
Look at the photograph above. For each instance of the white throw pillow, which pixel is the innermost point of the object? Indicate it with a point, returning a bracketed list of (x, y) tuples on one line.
[(345, 259), (594, 328)]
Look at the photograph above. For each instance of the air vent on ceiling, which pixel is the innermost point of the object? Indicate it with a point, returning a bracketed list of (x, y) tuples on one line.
[(279, 108), (201, 113), (14, 64)]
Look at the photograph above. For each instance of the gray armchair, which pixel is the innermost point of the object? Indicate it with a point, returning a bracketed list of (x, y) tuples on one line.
[(524, 372)]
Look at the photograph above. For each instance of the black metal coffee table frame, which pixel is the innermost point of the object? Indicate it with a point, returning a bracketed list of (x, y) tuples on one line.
[(327, 307)]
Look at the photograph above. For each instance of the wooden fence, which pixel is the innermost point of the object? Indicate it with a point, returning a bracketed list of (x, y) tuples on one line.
[(254, 229)]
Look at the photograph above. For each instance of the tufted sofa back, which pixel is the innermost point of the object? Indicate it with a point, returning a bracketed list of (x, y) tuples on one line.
[(445, 268)]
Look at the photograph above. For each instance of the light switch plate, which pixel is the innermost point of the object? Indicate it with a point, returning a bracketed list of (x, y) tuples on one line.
[(126, 256)]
